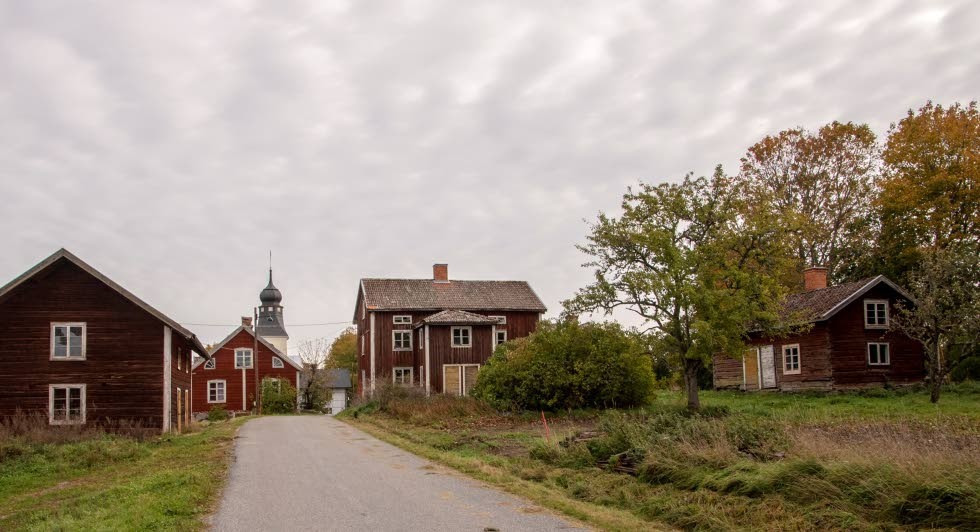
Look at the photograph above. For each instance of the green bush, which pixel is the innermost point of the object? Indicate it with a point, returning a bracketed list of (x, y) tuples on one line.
[(217, 413), (568, 365), (278, 396)]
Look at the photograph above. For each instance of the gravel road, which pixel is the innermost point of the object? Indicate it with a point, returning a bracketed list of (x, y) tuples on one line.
[(317, 473)]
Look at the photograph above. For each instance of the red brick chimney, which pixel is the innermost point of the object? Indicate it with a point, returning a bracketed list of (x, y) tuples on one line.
[(440, 273), (814, 278), (247, 322)]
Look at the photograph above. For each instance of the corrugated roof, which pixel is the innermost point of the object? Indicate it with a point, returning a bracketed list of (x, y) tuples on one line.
[(426, 294), (453, 317)]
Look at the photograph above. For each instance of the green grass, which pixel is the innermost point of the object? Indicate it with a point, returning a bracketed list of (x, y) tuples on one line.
[(115, 483), (875, 460)]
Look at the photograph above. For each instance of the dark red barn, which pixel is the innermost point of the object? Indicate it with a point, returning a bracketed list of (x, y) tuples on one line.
[(81, 349)]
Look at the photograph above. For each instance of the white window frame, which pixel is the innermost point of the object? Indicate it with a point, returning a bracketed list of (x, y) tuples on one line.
[(403, 370), (888, 354), (210, 363), (403, 334), (469, 336), (224, 391), (496, 340), (68, 325), (876, 325), (501, 320), (51, 389), (277, 363), (462, 376), (251, 361), (402, 319), (799, 360)]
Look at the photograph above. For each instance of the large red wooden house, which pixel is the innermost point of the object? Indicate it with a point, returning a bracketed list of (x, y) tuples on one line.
[(850, 342), (79, 349), (232, 376), (436, 333)]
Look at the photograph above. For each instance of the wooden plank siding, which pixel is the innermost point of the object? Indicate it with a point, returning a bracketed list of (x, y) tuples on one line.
[(518, 324), (124, 366), (442, 352), (224, 361)]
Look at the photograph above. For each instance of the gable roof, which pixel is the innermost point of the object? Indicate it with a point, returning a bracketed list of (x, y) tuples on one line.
[(63, 254), (338, 378), (262, 341), (425, 294), (457, 317), (824, 303)]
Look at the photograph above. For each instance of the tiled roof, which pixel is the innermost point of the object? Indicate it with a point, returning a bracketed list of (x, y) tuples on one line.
[(453, 317), (818, 305), (426, 294)]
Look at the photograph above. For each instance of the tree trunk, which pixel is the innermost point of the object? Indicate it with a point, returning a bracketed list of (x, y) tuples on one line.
[(937, 384), (691, 368), (936, 374)]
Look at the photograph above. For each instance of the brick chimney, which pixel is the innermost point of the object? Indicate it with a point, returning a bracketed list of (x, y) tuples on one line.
[(814, 278), (440, 273), (247, 322)]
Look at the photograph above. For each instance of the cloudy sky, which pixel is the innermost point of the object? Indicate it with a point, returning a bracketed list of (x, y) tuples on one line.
[(173, 144)]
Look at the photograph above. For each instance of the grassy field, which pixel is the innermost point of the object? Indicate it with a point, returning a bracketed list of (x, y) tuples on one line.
[(875, 460), (101, 482)]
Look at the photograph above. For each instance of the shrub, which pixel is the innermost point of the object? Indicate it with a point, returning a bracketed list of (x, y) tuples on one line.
[(278, 396), (568, 365), (217, 413)]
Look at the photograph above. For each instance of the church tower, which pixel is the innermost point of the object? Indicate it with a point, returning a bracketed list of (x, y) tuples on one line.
[(271, 325)]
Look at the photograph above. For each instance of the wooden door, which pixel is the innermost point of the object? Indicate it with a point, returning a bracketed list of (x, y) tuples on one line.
[(469, 377), (750, 369), (451, 379), (768, 365)]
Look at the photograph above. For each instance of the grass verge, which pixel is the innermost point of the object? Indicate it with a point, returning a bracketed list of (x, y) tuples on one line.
[(115, 483)]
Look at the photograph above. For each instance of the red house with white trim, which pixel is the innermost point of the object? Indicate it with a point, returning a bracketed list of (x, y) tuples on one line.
[(236, 369)]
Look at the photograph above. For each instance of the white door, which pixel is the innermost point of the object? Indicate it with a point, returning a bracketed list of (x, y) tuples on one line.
[(338, 401), (768, 366)]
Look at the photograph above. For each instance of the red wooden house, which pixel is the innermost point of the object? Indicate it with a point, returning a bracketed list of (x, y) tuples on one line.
[(232, 376), (850, 343), (80, 349), (436, 333)]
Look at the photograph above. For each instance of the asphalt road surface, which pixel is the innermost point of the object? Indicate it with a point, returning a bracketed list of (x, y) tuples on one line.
[(317, 473)]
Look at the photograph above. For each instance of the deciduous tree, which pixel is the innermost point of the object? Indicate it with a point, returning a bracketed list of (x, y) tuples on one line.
[(313, 354), (343, 352), (821, 184), (694, 261)]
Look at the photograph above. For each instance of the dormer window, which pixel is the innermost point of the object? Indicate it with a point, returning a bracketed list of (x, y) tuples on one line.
[(876, 314)]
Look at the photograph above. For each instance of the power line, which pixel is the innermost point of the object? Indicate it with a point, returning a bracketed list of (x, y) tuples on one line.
[(290, 325)]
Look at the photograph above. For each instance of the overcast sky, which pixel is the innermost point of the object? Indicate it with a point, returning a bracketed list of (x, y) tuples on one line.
[(173, 144)]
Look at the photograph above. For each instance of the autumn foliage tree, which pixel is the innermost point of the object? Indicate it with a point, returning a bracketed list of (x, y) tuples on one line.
[(820, 184), (691, 259), (343, 352)]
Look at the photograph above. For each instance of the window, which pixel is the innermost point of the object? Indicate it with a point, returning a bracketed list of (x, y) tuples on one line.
[(876, 314), (402, 320), (878, 354), (501, 320), (402, 376), (68, 341), (791, 359), (243, 358), (277, 362), (458, 379), (402, 340), (66, 404), (209, 364), (501, 337), (180, 360), (216, 391), (461, 336)]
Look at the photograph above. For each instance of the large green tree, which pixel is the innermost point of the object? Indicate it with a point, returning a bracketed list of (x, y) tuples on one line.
[(696, 262), (820, 183), (343, 353)]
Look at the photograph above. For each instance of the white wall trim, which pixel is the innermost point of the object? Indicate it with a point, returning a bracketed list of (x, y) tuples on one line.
[(372, 353), (167, 376), (428, 363)]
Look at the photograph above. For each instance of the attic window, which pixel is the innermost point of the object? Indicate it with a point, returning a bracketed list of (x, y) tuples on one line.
[(68, 341), (209, 364), (402, 320), (875, 313), (277, 362), (501, 320), (243, 358)]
